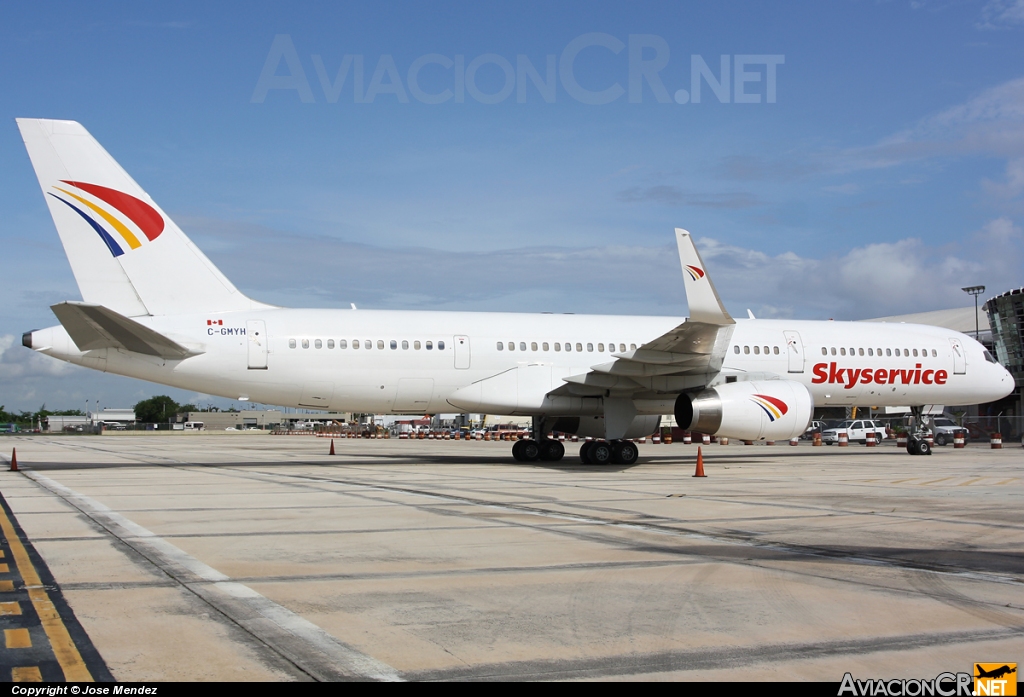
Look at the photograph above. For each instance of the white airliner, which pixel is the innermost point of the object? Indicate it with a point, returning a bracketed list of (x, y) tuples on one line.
[(154, 307)]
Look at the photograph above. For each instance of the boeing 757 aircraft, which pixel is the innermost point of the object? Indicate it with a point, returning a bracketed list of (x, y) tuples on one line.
[(154, 307)]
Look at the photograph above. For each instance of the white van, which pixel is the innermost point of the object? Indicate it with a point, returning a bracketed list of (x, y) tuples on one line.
[(195, 426)]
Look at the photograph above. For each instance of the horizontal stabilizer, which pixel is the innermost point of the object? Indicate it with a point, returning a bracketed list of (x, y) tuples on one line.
[(97, 327)]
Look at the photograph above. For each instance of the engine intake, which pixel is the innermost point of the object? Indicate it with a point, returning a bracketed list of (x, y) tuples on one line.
[(760, 410)]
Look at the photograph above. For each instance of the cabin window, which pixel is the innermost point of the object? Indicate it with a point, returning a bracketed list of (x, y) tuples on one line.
[(501, 346), (368, 344), (430, 345), (632, 347), (545, 346), (393, 344), (906, 353), (440, 346), (622, 348), (405, 345), (871, 352), (853, 352), (511, 346), (305, 343), (416, 345), (888, 352), (824, 351), (342, 344), (291, 343), (380, 344), (860, 352), (579, 347), (757, 350), (590, 347), (600, 348), (522, 345), (330, 343), (568, 346), (746, 349), (736, 349), (319, 344), (558, 347), (766, 350), (355, 343), (915, 353), (934, 354), (842, 352)]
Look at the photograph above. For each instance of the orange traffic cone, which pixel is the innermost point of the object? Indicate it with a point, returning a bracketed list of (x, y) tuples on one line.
[(14, 459), (332, 447), (700, 464)]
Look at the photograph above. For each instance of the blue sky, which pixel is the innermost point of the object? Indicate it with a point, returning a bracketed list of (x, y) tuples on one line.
[(887, 173)]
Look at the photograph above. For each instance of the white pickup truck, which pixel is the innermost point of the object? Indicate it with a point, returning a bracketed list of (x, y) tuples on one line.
[(856, 430)]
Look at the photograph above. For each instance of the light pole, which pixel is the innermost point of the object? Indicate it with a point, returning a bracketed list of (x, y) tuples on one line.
[(975, 291)]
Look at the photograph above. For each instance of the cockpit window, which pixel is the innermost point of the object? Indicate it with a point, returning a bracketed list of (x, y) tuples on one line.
[(989, 357)]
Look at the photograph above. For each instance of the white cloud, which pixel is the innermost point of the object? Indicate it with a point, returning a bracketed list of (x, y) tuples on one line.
[(16, 361), (999, 13)]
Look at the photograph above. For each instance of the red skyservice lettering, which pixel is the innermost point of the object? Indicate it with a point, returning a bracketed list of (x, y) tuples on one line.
[(848, 377)]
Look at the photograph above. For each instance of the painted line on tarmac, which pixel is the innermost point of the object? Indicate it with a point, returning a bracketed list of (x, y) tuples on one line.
[(306, 645), (43, 638)]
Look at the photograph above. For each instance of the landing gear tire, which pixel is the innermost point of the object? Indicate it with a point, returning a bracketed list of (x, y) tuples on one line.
[(625, 452), (526, 450), (551, 450), (585, 452), (600, 453), (916, 446)]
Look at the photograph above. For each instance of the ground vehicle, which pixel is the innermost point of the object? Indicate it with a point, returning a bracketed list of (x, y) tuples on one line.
[(815, 427), (195, 426), (944, 429), (856, 430)]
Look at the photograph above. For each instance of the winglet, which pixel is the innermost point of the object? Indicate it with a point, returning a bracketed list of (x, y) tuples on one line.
[(701, 296)]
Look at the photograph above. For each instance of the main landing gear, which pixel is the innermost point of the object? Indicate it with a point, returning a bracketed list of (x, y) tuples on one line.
[(916, 444), (617, 452), (529, 450)]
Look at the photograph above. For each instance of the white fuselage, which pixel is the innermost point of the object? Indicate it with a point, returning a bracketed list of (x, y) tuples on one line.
[(295, 357)]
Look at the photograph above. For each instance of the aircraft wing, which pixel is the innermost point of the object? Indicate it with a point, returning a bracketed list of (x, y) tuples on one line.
[(694, 348), (95, 327)]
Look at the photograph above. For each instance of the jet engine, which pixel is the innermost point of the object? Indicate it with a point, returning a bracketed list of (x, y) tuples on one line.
[(757, 410)]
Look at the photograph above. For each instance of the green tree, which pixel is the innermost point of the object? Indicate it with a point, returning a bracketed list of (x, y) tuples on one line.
[(156, 410)]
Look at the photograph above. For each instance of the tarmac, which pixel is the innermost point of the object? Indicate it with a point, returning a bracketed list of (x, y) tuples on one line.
[(264, 558)]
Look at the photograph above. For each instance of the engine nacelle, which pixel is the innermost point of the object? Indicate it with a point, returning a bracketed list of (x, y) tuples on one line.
[(593, 426), (762, 410)]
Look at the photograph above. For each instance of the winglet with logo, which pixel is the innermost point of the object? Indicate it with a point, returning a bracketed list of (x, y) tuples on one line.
[(701, 296)]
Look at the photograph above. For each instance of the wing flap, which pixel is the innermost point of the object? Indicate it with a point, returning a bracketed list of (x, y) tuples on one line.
[(97, 327)]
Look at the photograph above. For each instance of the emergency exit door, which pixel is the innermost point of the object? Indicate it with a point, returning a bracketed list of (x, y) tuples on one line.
[(256, 338)]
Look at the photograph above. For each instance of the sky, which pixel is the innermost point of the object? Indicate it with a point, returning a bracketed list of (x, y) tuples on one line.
[(846, 160)]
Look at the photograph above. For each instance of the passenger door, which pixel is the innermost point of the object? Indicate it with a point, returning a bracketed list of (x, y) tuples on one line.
[(959, 359), (795, 351)]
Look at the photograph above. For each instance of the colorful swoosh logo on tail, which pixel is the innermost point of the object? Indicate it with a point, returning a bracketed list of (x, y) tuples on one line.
[(696, 273), (140, 214), (774, 407)]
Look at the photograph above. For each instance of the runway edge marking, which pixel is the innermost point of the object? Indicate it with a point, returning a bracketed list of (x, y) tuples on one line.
[(280, 626)]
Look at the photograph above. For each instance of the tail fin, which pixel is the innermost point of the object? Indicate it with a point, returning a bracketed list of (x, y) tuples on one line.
[(126, 254)]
